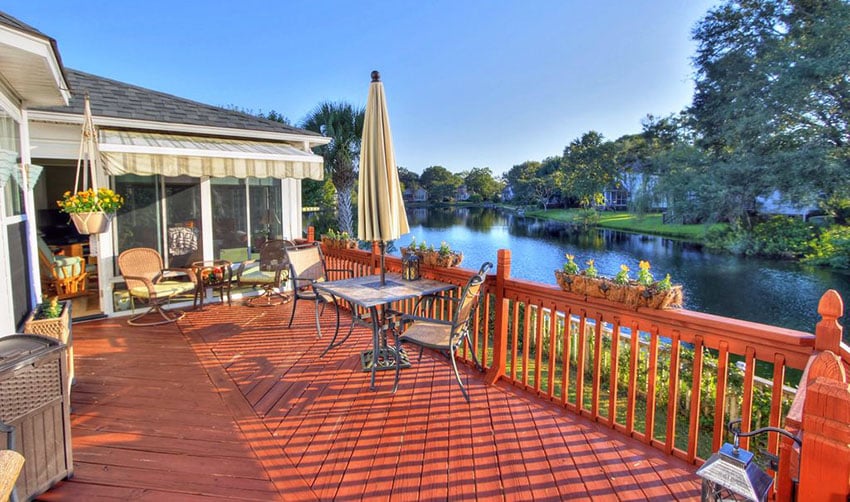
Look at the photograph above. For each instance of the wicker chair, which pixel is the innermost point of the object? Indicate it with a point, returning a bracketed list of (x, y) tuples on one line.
[(268, 272), (445, 336), (146, 279), (63, 276), (307, 267)]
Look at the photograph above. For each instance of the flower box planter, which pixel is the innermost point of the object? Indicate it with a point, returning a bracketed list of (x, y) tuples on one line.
[(632, 294), (339, 243), (437, 259), (58, 328)]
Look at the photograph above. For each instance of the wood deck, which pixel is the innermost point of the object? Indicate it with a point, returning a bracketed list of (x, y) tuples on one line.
[(229, 404)]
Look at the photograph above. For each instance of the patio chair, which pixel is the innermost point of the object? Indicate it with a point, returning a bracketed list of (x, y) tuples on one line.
[(269, 271), (445, 336), (62, 276), (306, 268), (147, 280)]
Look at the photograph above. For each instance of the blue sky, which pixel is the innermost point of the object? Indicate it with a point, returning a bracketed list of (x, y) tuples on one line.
[(468, 83)]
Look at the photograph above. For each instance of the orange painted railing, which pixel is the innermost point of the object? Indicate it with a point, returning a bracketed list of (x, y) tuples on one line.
[(670, 378)]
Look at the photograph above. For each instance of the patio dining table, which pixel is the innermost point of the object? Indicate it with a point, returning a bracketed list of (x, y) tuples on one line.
[(368, 293)]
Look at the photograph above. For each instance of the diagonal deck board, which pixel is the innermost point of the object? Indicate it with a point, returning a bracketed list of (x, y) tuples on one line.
[(229, 404)]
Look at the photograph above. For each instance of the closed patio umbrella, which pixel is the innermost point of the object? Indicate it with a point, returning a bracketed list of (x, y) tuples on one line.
[(380, 208)]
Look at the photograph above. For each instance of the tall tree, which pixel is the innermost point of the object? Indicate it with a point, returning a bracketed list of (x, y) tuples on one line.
[(440, 183), (589, 167), (408, 178), (772, 101), (343, 123), (480, 180)]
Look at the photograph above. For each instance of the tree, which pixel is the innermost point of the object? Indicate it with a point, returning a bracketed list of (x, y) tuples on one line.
[(440, 183), (408, 179), (772, 100), (480, 181), (343, 123), (589, 167)]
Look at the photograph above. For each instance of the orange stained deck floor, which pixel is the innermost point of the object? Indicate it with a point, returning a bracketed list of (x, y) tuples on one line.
[(229, 404)]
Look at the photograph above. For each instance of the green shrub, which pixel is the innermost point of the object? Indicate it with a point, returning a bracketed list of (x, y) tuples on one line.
[(831, 248), (587, 217), (781, 236)]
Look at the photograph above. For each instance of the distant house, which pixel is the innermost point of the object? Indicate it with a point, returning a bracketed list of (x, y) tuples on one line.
[(407, 194), (420, 195), (461, 194), (774, 204), (507, 193), (628, 189)]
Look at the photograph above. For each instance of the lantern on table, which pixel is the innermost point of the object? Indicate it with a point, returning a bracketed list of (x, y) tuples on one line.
[(410, 267)]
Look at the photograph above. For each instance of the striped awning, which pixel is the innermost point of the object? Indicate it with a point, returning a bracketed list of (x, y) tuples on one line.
[(144, 153)]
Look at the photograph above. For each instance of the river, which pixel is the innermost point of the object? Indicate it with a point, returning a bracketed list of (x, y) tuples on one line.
[(766, 291)]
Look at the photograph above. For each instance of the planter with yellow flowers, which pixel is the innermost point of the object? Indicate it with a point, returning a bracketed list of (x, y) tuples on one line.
[(91, 210), (644, 291)]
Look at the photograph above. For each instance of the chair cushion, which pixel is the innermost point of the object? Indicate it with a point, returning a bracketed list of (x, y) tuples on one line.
[(428, 334), (67, 266), (165, 289), (256, 276)]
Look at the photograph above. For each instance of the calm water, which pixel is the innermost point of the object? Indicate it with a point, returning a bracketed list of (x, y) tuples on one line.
[(770, 292)]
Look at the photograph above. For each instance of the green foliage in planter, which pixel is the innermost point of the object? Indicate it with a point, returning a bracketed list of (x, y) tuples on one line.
[(49, 310)]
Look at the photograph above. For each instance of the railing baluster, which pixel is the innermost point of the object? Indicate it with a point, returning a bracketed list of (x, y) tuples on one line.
[(553, 348), (580, 354), (672, 392), (634, 361), (696, 396), (776, 401), (597, 367), (747, 404), (614, 379), (538, 345), (651, 373)]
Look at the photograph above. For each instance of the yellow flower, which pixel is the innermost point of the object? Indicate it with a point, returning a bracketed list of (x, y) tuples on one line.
[(624, 268), (644, 265)]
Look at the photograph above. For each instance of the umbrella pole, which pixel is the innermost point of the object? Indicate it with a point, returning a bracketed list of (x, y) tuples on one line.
[(383, 247)]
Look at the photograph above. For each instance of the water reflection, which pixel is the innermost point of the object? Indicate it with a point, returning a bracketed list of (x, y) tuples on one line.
[(780, 293)]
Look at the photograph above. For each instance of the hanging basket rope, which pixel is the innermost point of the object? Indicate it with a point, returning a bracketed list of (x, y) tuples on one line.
[(86, 191)]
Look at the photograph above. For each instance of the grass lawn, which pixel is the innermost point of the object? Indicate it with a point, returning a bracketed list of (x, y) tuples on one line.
[(630, 222)]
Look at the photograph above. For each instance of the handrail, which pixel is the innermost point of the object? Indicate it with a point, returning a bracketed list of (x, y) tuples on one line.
[(661, 376)]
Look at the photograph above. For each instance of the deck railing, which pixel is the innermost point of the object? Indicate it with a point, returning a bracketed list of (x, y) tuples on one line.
[(670, 378)]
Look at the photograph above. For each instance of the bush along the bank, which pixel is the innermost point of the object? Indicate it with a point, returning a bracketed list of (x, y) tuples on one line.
[(831, 248), (776, 237)]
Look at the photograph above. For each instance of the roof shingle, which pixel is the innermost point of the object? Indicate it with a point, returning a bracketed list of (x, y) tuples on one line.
[(111, 98)]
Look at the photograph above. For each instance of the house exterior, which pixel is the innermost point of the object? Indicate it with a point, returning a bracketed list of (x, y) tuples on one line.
[(31, 74), (462, 194), (507, 193), (420, 195), (227, 179), (631, 186)]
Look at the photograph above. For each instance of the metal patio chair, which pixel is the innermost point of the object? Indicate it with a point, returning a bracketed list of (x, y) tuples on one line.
[(306, 268), (441, 335), (269, 271)]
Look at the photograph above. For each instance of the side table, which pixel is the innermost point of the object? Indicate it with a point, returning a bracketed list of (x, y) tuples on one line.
[(215, 274)]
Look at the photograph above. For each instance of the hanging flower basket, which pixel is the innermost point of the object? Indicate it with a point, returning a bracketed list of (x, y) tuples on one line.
[(91, 223)]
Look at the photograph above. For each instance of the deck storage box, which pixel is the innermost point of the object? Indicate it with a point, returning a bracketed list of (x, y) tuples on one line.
[(35, 410)]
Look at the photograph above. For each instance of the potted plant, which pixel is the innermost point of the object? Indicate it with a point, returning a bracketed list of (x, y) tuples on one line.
[(53, 318), (91, 210), (338, 240), (443, 256), (644, 291)]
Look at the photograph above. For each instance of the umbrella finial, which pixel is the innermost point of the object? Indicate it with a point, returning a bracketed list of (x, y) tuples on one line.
[(376, 77)]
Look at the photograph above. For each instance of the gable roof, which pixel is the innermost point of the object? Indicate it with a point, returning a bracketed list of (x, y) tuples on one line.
[(31, 65), (114, 99)]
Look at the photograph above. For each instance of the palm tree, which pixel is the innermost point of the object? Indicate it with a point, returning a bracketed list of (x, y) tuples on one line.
[(343, 123)]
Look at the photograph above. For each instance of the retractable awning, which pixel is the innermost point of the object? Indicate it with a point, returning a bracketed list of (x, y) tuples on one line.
[(144, 153)]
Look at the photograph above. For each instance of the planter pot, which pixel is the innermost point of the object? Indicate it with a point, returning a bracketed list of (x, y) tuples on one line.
[(632, 295), (58, 328), (91, 223)]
